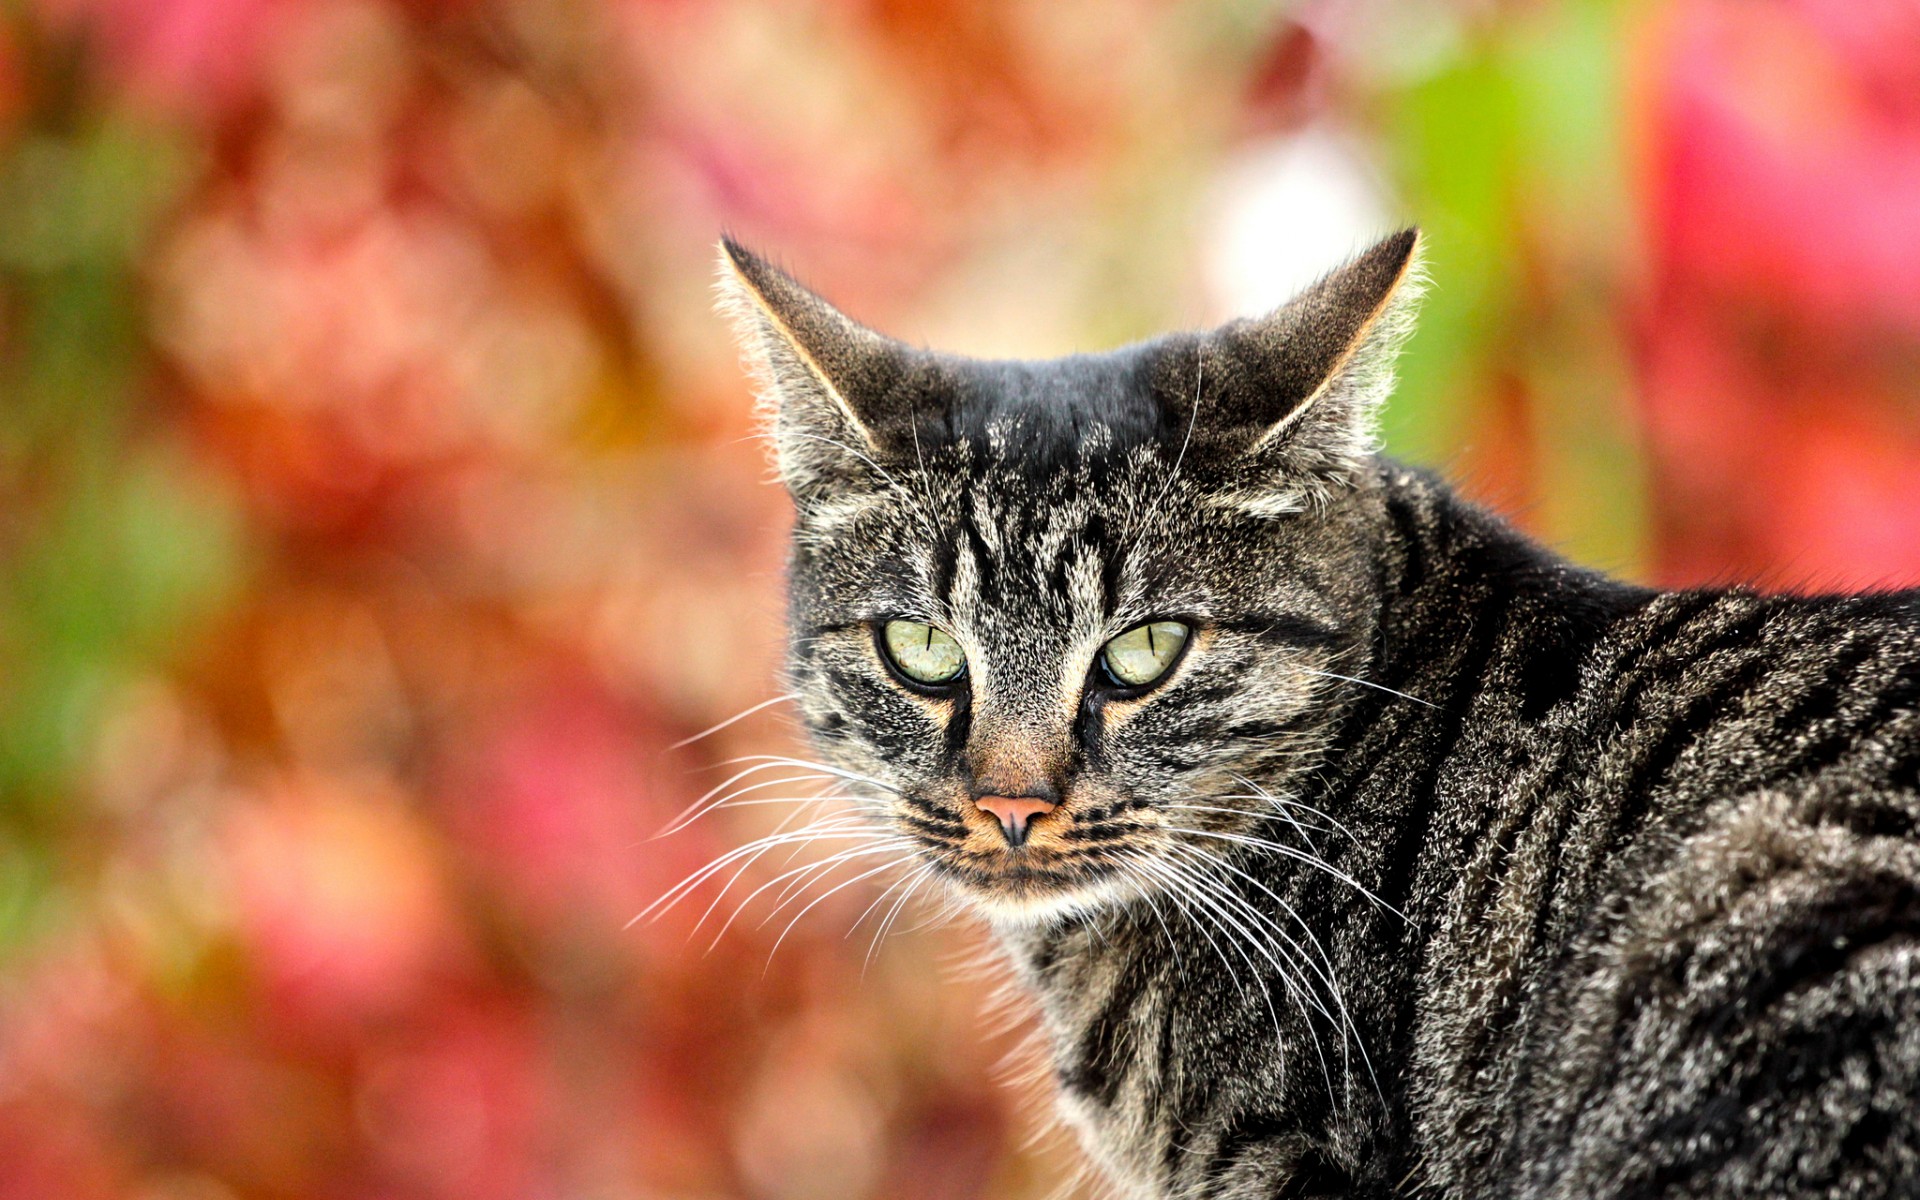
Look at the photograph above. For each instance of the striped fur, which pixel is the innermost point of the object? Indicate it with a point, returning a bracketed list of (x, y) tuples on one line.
[(1438, 866)]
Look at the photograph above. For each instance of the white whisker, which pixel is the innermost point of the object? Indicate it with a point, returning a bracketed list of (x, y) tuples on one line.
[(1226, 901), (804, 875), (708, 804), (713, 729), (1379, 687), (781, 759), (912, 882), (1176, 881), (1290, 803), (1290, 852), (1288, 818), (833, 828), (829, 894), (1327, 976)]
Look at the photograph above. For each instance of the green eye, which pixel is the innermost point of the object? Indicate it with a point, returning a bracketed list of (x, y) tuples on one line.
[(1142, 654), (922, 652)]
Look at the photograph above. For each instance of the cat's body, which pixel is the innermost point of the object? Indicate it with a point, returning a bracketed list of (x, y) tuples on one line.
[(1429, 864), (1644, 844)]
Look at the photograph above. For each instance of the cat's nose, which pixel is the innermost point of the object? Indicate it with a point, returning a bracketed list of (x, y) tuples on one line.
[(1015, 814)]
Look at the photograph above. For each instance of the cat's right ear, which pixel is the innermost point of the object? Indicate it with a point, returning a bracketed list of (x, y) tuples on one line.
[(1296, 394), (831, 387)]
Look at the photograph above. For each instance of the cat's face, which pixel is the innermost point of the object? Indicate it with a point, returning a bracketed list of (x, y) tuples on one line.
[(1053, 620)]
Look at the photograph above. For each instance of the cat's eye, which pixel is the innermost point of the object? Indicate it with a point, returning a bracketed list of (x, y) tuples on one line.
[(923, 653), (1142, 654)]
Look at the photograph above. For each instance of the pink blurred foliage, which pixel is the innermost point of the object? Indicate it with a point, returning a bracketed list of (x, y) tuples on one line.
[(185, 54), (461, 1105), (1791, 155), (343, 908), (558, 804), (65, 1013), (1783, 171)]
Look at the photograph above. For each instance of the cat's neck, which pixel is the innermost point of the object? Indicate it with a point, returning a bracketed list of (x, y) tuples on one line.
[(1455, 578)]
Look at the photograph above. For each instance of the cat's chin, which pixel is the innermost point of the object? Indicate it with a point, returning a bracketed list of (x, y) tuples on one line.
[(1046, 906)]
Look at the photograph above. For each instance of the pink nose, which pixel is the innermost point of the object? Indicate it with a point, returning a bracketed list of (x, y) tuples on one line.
[(1015, 814)]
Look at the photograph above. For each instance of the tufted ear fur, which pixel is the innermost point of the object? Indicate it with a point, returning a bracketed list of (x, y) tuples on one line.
[(840, 398), (1298, 391)]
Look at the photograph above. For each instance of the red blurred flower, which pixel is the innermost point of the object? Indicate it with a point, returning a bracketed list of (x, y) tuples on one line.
[(1784, 175), (553, 805), (340, 900), (453, 1108), (1788, 157)]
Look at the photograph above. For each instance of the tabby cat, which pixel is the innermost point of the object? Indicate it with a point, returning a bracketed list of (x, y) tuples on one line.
[(1346, 842)]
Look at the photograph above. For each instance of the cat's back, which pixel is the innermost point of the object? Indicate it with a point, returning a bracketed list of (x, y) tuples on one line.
[(1718, 988), (1710, 691)]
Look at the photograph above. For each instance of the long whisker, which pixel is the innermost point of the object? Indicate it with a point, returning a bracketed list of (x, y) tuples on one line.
[(1226, 895), (795, 846), (1176, 882), (1289, 852), (801, 871), (740, 716), (781, 759), (830, 893), (1291, 803), (1350, 1031), (1282, 812), (912, 882), (1290, 820), (694, 810), (1379, 687), (832, 828), (1226, 902), (708, 803), (1172, 886), (1153, 906), (751, 851), (806, 874)]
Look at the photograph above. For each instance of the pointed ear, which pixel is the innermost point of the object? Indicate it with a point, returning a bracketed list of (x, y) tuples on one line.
[(835, 393), (1302, 387)]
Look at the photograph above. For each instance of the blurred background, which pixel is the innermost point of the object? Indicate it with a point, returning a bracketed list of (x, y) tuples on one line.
[(379, 503)]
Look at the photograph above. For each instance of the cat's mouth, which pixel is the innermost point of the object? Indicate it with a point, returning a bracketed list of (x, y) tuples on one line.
[(1056, 860), (1031, 860)]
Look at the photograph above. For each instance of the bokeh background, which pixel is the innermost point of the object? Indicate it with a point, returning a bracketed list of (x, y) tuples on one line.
[(379, 502)]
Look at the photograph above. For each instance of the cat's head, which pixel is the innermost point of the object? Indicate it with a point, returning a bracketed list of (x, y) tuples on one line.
[(1072, 626)]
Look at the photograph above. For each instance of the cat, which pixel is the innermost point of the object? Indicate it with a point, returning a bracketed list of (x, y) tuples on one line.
[(1345, 841)]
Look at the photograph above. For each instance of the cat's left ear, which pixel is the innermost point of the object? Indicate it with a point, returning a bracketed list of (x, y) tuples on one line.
[(1300, 389)]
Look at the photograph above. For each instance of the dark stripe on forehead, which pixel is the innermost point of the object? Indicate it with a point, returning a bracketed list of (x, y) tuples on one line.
[(986, 568), (895, 575), (1058, 571), (946, 557), (1112, 559)]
